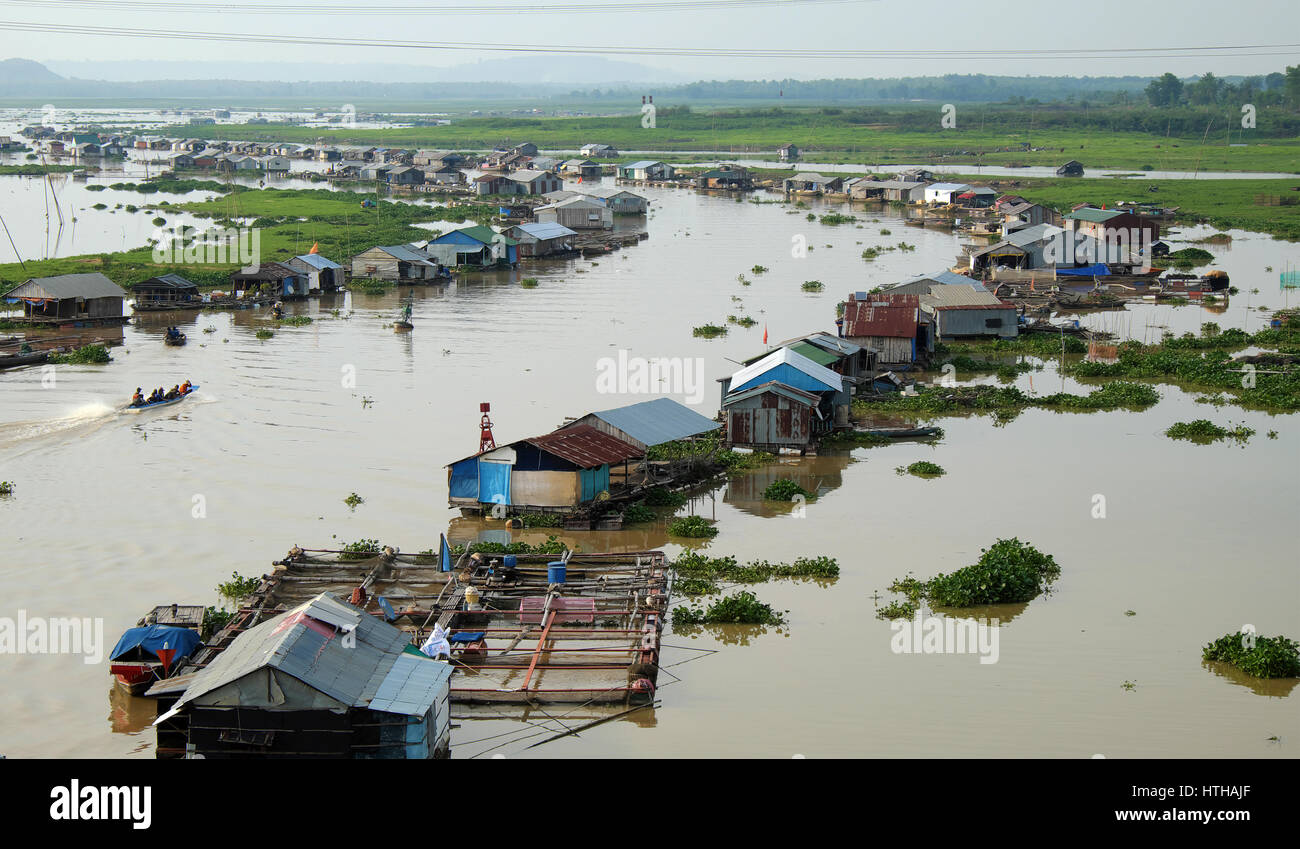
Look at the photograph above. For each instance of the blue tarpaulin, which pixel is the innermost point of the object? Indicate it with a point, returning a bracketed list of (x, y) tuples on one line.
[(1097, 268), (151, 638), (444, 555)]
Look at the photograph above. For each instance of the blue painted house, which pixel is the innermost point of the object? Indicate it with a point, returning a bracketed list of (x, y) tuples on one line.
[(478, 245)]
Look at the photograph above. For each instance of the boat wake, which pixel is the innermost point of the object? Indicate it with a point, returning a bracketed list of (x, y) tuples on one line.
[(81, 422)]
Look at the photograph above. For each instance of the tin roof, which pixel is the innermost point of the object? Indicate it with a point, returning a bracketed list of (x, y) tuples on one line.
[(657, 421), (306, 643), (174, 281), (818, 355), (585, 446), (959, 296), (643, 163), (92, 285), (545, 230), (318, 261), (819, 374), (1097, 216), (881, 318), (948, 187)]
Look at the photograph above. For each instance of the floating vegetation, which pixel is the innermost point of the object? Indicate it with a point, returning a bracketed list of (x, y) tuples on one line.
[(1007, 571), (85, 355), (922, 469), (362, 549), (293, 321), (758, 269), (264, 333), (709, 331), (6, 487), (834, 218), (742, 608), (884, 231), (854, 438), (1005, 402), (1260, 657), (209, 329), (694, 527), (784, 489), (553, 545), (743, 321), (812, 286), (528, 283), (897, 610), (1129, 685), (694, 586), (695, 565), (1004, 371), (542, 520), (353, 501), (1189, 257), (1204, 432)]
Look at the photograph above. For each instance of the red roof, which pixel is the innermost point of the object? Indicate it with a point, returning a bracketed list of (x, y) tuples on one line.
[(585, 446), (882, 315)]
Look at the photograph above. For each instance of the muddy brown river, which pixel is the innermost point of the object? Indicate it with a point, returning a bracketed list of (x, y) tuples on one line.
[(1196, 541)]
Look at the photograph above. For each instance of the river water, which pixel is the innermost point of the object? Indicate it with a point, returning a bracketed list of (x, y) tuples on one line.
[(114, 513)]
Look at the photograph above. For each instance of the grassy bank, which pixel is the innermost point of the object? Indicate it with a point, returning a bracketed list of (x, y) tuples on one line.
[(991, 135), (290, 221)]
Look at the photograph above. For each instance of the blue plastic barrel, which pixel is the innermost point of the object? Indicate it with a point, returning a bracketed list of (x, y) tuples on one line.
[(510, 561), (555, 572)]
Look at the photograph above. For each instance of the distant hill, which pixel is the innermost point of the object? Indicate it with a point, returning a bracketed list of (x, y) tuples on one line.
[(26, 71)]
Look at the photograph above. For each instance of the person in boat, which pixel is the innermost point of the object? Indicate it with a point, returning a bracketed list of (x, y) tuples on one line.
[(138, 398), (174, 392), (408, 312), (185, 387)]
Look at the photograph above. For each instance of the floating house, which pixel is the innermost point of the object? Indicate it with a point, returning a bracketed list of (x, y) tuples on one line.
[(891, 326), (540, 239), (945, 193), (535, 182), (922, 284), (598, 151), (584, 168), (577, 213), (793, 369), (787, 152), (405, 175), (272, 279), (963, 311), (323, 275), (836, 353), (811, 183), (1073, 168), (977, 198), (646, 170), (557, 472), (725, 177), (403, 263), (478, 245), (70, 299), (167, 292), (621, 201), (773, 416), (648, 423), (321, 680)]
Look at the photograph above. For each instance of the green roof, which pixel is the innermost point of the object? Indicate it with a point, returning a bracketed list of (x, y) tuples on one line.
[(1098, 216), (820, 356), (486, 235)]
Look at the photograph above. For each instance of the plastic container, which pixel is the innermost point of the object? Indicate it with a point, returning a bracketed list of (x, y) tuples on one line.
[(510, 561), (555, 571)]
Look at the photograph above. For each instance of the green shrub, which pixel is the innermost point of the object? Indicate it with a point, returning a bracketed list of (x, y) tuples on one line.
[(636, 514), (1007, 571), (742, 608), (362, 549), (85, 355), (662, 497), (922, 469), (709, 331)]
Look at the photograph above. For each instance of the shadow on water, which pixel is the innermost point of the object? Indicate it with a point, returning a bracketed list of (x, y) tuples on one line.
[(1277, 688)]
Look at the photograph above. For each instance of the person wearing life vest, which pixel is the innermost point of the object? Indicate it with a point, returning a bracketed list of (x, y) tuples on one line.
[(138, 398), (185, 387)]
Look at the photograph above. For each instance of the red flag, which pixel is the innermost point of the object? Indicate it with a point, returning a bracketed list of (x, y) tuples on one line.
[(315, 248), (764, 334)]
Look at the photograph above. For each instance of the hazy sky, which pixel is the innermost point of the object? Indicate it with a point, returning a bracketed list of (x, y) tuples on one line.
[(927, 27)]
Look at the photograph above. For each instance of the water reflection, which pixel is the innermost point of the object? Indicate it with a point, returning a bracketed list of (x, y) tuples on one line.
[(1277, 688)]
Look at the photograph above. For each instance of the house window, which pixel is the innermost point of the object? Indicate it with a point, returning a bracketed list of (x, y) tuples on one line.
[(992, 322)]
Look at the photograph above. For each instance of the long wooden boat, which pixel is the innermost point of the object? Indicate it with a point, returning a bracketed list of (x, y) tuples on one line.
[(175, 340), (16, 360), (156, 648), (131, 408)]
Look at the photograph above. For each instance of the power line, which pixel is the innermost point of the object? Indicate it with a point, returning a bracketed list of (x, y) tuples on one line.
[(155, 6), (757, 53)]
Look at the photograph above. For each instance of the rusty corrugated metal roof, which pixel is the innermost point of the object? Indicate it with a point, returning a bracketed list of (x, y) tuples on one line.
[(585, 446), (894, 316)]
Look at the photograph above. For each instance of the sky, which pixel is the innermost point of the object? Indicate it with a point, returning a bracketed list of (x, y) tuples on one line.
[(997, 32)]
